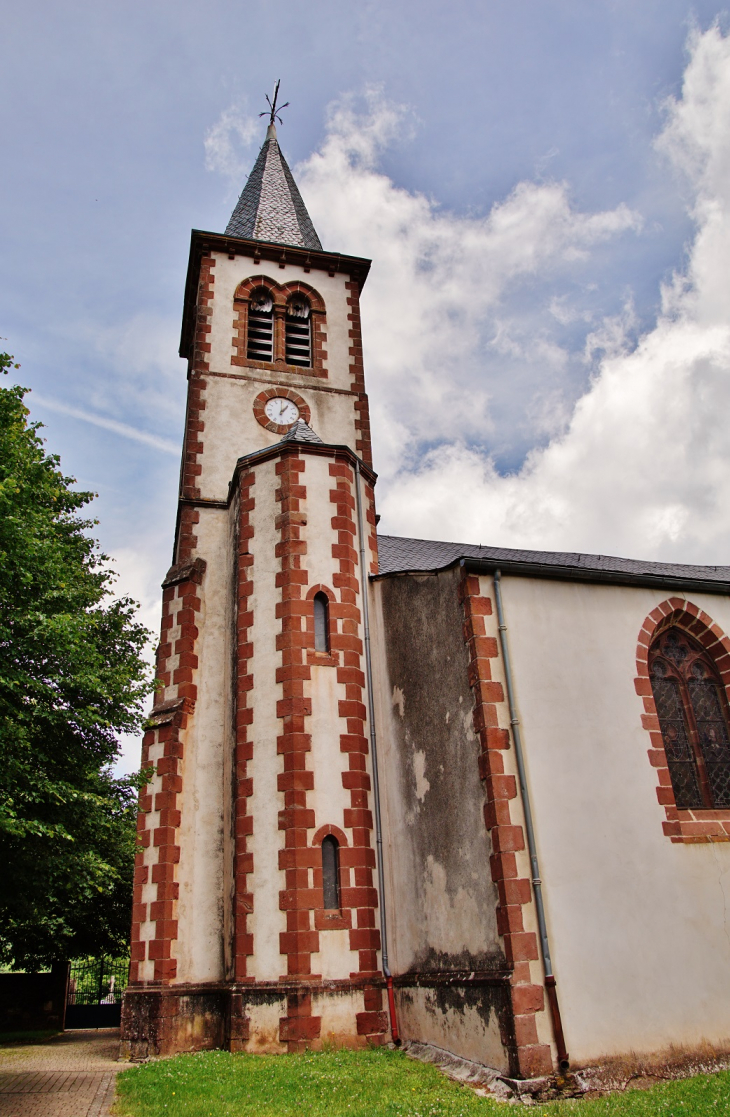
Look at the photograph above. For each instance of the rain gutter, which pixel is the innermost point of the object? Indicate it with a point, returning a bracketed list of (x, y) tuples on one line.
[(550, 985), (364, 583)]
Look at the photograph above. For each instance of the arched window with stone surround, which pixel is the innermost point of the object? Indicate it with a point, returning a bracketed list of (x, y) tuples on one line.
[(694, 719), (298, 331), (260, 342), (330, 873)]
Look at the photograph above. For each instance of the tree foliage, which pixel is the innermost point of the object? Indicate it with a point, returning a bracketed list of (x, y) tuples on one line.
[(72, 677)]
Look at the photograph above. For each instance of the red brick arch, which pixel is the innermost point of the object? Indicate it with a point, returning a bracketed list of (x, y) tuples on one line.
[(326, 919), (314, 658), (329, 831), (245, 289), (697, 825), (297, 287), (259, 405)]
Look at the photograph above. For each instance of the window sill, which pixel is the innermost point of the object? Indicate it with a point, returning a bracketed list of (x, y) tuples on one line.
[(279, 367), (692, 827), (332, 919), (322, 659)]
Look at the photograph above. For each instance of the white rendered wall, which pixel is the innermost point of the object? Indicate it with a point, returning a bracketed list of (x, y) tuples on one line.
[(201, 837), (267, 921), (639, 926), (230, 427), (329, 799), (232, 431)]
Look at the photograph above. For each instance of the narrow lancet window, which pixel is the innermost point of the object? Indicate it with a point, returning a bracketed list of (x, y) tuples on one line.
[(298, 332), (261, 326), (321, 623), (330, 873), (693, 716)]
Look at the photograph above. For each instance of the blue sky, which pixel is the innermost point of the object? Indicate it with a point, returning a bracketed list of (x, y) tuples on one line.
[(561, 159)]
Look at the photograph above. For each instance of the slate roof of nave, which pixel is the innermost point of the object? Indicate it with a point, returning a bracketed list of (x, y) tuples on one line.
[(270, 207), (401, 555)]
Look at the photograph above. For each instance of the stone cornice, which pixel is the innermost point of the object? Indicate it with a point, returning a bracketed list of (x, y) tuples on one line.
[(284, 449)]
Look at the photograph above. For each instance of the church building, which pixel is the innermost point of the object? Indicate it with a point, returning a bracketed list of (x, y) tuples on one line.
[(406, 789)]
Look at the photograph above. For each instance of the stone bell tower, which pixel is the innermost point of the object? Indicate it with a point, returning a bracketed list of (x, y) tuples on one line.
[(256, 903)]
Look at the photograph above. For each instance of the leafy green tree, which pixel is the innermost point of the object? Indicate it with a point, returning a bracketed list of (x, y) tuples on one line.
[(72, 677)]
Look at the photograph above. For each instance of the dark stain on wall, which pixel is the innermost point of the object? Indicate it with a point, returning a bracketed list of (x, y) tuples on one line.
[(445, 916), (450, 997)]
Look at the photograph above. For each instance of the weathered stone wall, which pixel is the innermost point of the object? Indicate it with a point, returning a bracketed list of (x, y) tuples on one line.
[(450, 969)]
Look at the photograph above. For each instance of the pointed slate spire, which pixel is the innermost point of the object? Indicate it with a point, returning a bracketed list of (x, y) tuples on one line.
[(301, 432), (271, 207)]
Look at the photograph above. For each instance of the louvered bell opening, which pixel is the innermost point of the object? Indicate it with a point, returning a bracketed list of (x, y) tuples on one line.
[(298, 333), (260, 326)]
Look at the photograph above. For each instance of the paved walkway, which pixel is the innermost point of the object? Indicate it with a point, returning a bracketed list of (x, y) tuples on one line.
[(71, 1075)]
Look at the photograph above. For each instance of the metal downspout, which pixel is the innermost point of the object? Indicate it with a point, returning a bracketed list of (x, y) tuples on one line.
[(374, 755), (552, 993)]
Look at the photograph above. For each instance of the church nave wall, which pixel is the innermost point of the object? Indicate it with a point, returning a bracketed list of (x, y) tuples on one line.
[(638, 923)]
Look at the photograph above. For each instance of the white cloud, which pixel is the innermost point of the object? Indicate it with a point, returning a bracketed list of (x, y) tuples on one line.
[(148, 376), (138, 576), (166, 445), (641, 463), (613, 335), (468, 317), (441, 307), (234, 130), (134, 378)]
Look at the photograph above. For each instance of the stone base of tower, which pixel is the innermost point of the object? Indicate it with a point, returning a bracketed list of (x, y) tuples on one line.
[(473, 1015), (274, 1017)]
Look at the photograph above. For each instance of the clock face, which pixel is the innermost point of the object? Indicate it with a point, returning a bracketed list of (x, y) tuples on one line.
[(281, 411)]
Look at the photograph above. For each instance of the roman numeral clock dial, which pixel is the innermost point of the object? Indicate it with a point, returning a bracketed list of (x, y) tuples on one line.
[(282, 411), (278, 412)]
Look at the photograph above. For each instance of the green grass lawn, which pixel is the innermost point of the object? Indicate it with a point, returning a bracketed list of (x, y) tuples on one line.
[(12, 1039), (375, 1083)]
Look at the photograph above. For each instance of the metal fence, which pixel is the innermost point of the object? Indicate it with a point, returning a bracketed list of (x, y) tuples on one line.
[(95, 991)]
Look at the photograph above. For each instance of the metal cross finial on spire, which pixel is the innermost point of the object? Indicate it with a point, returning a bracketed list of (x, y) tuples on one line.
[(273, 110)]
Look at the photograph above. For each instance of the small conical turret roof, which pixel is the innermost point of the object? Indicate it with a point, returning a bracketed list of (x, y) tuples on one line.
[(301, 432), (271, 207)]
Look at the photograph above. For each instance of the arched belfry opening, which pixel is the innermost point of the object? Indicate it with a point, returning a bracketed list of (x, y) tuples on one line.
[(261, 326), (298, 331)]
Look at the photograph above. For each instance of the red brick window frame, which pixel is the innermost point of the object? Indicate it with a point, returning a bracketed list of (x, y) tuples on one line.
[(259, 408), (281, 294), (699, 824), (328, 919), (315, 658)]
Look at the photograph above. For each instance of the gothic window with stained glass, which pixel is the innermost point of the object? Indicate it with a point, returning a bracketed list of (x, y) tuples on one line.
[(693, 716)]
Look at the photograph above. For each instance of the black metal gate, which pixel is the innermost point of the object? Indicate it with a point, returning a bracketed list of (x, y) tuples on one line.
[(95, 991)]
